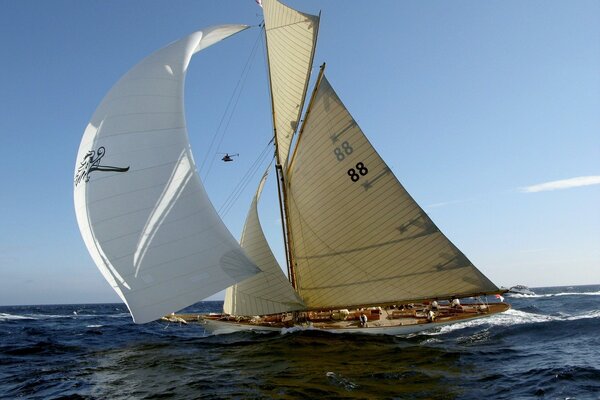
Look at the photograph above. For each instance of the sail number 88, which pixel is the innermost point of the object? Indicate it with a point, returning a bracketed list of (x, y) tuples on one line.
[(343, 151), (355, 174)]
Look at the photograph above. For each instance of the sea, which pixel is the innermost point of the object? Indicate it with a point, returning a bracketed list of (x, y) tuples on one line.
[(546, 347)]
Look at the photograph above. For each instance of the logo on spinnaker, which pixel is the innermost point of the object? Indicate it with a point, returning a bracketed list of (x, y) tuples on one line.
[(91, 162)]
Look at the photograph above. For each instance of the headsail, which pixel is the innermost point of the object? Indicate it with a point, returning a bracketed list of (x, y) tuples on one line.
[(291, 40), (142, 210), (358, 236), (268, 292)]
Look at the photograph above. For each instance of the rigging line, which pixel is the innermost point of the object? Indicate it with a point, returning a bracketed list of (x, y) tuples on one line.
[(230, 109), (231, 99), (240, 191), (247, 176), (227, 124), (235, 95), (244, 181), (236, 195)]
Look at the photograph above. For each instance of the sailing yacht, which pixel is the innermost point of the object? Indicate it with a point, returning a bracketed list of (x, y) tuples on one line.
[(357, 245)]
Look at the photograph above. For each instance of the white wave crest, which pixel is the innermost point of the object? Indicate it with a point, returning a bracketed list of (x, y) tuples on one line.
[(296, 328), (6, 317), (533, 296), (340, 380), (513, 317), (9, 317)]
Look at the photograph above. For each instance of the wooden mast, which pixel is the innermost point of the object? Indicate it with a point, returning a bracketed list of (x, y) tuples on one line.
[(282, 160), (280, 180)]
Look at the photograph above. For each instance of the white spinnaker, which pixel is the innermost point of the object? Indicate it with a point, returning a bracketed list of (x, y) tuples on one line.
[(142, 210), (268, 292)]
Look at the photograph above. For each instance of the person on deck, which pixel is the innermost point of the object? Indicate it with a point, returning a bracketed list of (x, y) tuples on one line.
[(430, 316), (363, 320), (455, 303), (435, 305)]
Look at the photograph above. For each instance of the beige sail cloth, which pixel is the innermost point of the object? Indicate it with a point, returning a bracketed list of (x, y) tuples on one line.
[(291, 39), (268, 292), (357, 236)]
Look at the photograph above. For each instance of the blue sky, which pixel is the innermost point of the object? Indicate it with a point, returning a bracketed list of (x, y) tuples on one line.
[(471, 103)]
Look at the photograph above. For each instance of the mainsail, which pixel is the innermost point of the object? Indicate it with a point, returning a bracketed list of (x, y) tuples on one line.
[(358, 237), (142, 210), (291, 39), (268, 292)]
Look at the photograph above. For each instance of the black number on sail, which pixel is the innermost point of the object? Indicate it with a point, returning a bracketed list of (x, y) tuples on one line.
[(362, 171), (342, 152)]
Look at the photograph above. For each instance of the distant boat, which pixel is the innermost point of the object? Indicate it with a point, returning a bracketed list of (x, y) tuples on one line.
[(521, 289), (357, 244)]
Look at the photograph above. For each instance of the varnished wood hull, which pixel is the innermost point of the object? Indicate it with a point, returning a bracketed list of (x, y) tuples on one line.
[(387, 325)]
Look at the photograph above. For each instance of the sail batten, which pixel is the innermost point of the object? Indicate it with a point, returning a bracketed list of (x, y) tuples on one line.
[(141, 207), (358, 236)]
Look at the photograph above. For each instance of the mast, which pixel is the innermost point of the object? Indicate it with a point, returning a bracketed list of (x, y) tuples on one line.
[(280, 179), (295, 36), (289, 244)]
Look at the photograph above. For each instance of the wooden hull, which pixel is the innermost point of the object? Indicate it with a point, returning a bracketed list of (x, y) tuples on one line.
[(388, 324)]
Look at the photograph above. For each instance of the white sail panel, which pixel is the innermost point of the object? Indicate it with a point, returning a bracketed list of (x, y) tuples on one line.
[(291, 40), (268, 292), (357, 236), (142, 210)]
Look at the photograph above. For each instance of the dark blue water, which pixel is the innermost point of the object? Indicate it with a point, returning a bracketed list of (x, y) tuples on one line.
[(547, 347)]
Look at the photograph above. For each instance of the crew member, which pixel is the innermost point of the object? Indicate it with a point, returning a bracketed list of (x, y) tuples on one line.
[(363, 320), (455, 303)]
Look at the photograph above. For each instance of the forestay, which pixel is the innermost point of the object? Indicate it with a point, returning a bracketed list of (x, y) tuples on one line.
[(142, 210), (268, 292), (291, 39), (358, 237)]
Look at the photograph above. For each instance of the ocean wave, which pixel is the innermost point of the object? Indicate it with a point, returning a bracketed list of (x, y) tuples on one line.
[(295, 328), (534, 296), (121, 315), (69, 316), (9, 317), (514, 317), (341, 381)]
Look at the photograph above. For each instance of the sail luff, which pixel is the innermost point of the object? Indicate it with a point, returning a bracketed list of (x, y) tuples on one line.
[(308, 109), (279, 178), (278, 171), (290, 239), (291, 40)]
